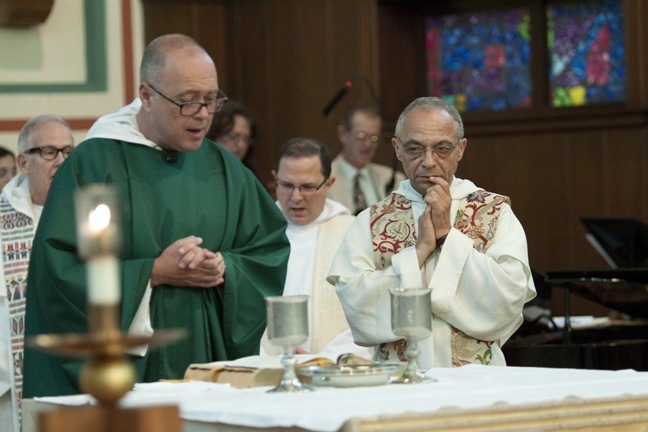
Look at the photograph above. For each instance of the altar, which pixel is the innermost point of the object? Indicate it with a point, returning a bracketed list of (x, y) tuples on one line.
[(470, 398)]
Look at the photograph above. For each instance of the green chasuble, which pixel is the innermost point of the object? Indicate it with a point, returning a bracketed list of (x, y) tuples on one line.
[(207, 193)]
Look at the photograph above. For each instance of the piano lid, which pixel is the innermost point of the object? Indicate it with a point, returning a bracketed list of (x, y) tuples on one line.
[(621, 241), (624, 290)]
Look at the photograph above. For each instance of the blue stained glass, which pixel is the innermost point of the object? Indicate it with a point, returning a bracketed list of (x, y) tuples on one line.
[(586, 50), (480, 59)]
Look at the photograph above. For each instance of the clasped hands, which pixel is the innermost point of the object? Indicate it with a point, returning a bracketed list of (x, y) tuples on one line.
[(185, 263), (434, 223)]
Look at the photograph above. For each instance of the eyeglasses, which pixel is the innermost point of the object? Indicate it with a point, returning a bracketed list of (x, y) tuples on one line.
[(415, 151), (361, 136), (236, 138), (305, 189), (49, 153), (190, 109)]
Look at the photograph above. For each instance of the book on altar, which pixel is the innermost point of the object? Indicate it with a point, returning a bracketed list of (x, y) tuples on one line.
[(258, 371)]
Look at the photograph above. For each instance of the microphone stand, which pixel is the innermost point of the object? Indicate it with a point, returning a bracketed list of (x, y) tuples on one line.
[(338, 96)]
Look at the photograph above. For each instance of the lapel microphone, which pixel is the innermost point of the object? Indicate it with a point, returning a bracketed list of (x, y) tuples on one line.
[(170, 156)]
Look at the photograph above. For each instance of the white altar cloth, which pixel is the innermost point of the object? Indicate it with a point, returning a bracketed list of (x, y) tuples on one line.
[(327, 409)]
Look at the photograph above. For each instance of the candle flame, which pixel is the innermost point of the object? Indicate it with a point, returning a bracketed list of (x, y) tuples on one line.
[(99, 218)]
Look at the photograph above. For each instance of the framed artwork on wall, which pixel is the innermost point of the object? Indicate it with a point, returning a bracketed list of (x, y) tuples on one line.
[(33, 62)]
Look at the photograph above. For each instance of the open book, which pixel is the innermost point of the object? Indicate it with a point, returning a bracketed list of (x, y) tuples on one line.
[(256, 371)]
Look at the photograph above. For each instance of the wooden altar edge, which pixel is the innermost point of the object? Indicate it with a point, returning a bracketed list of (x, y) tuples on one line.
[(164, 418), (620, 414)]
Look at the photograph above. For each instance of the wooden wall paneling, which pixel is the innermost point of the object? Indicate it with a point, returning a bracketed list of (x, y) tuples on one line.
[(586, 187), (545, 211), (284, 67), (204, 21), (402, 60), (530, 174), (165, 17), (341, 62), (311, 44), (352, 54), (530, 170), (233, 24), (210, 27), (292, 61), (636, 51), (626, 159), (252, 64)]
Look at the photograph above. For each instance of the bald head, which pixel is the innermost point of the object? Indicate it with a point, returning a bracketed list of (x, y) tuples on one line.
[(157, 52), (176, 71)]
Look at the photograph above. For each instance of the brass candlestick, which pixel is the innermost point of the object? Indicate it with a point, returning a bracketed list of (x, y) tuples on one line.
[(107, 375)]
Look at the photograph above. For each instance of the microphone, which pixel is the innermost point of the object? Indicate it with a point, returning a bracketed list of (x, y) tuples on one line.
[(170, 156), (336, 98)]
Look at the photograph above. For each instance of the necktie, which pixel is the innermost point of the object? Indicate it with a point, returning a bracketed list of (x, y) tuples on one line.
[(359, 200)]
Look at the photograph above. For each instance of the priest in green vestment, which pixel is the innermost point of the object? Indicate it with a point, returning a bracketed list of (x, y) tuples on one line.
[(203, 242)]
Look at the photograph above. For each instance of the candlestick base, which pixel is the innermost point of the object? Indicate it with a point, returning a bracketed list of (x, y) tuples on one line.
[(93, 344), (108, 375)]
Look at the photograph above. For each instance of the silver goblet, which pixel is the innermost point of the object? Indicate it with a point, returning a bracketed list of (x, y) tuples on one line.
[(287, 328), (411, 318)]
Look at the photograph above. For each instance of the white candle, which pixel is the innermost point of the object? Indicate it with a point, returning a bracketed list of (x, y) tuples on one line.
[(103, 270), (103, 280), (98, 242)]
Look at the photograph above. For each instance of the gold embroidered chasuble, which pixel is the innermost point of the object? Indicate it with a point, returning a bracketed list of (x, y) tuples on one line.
[(392, 229)]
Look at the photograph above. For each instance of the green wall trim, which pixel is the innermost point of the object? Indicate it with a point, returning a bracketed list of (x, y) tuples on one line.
[(95, 57)]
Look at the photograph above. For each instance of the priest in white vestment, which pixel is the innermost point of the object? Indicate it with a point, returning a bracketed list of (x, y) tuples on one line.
[(316, 226), (439, 232), (43, 143)]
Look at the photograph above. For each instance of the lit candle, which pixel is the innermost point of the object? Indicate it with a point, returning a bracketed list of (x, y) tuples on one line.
[(98, 243), (103, 280)]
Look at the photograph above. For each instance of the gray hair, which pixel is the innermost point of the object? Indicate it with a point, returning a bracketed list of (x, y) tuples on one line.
[(429, 103), (27, 131)]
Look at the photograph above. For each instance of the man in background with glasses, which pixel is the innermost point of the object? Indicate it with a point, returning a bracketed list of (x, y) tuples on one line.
[(440, 232), (361, 182), (203, 242), (44, 143), (316, 226)]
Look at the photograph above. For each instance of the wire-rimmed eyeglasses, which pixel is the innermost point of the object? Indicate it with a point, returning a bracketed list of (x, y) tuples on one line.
[(415, 151), (305, 189), (362, 136), (190, 109)]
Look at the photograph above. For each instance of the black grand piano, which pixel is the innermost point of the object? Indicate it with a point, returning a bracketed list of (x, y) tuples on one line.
[(621, 342)]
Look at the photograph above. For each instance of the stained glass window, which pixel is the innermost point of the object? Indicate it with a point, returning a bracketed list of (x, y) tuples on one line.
[(585, 42), (480, 61)]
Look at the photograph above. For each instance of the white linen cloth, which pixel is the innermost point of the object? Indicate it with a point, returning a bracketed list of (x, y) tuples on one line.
[(327, 409)]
